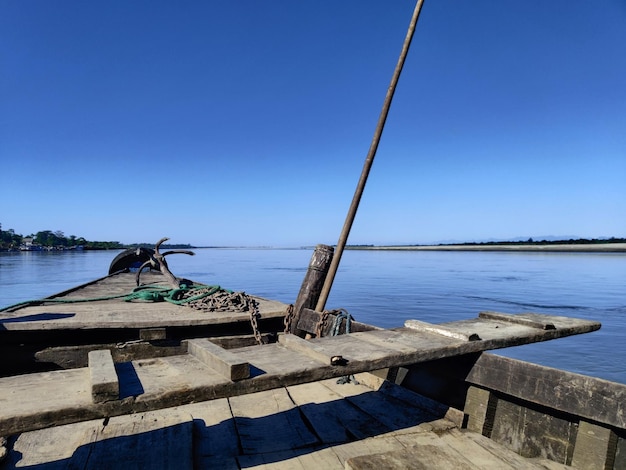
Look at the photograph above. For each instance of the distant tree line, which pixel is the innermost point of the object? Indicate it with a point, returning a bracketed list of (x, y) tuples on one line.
[(9, 240), (571, 241), (52, 239)]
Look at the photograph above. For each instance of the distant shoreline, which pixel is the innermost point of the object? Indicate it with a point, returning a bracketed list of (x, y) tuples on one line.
[(561, 248)]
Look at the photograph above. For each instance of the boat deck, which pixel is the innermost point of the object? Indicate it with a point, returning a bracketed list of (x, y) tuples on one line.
[(118, 314), (372, 424), (207, 371)]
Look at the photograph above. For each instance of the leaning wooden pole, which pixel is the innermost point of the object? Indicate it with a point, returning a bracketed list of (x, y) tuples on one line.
[(343, 238)]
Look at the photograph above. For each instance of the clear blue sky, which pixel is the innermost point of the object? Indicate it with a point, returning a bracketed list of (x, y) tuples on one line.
[(247, 122)]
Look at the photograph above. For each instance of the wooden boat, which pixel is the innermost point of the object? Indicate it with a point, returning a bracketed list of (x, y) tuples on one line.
[(157, 386), (420, 396)]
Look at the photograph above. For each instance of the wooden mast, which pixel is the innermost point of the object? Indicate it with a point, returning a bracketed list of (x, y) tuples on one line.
[(343, 238)]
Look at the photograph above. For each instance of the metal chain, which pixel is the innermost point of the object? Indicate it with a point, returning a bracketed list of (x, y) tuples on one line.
[(224, 301), (319, 329), (289, 314), (254, 314)]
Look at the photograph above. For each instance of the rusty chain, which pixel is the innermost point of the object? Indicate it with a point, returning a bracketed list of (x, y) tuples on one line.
[(224, 301), (319, 329), (254, 315), (289, 314)]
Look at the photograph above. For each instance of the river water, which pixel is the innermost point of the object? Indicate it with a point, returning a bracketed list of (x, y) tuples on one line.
[(385, 288)]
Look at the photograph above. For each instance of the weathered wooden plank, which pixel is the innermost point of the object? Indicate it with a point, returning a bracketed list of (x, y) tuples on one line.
[(334, 419), (72, 357), (480, 407), (160, 439), (478, 455), (41, 448), (595, 446), (366, 447), (152, 334), (507, 456), (422, 456), (269, 422), (412, 399), (171, 381), (215, 436), (441, 330), (395, 414), (526, 319), (579, 395), (306, 347), (104, 383), (222, 361)]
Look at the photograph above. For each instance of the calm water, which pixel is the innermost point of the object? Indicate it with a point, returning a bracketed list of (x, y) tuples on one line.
[(385, 288)]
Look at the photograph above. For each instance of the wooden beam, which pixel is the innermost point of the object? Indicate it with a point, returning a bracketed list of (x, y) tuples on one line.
[(441, 330), (220, 360), (532, 320), (306, 347), (595, 446), (152, 334), (105, 385)]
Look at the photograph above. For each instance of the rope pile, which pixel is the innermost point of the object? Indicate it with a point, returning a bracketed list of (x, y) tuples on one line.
[(199, 297)]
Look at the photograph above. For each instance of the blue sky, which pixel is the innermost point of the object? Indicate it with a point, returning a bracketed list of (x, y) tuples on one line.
[(247, 123)]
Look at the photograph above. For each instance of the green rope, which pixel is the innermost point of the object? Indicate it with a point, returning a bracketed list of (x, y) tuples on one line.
[(142, 293), (175, 296), (33, 303)]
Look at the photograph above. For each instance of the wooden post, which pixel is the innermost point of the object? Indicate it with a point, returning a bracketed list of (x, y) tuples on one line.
[(312, 283), (480, 407), (595, 447)]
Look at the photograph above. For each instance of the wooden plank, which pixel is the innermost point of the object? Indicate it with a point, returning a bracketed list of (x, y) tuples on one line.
[(171, 381), (222, 361), (478, 455), (215, 440), (507, 456), (422, 456), (152, 334), (37, 449), (306, 347), (269, 422), (412, 399), (314, 458), (595, 446), (160, 439), (308, 320), (579, 395), (480, 405), (440, 330), (104, 383), (398, 416), (526, 319), (367, 447), (334, 419)]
